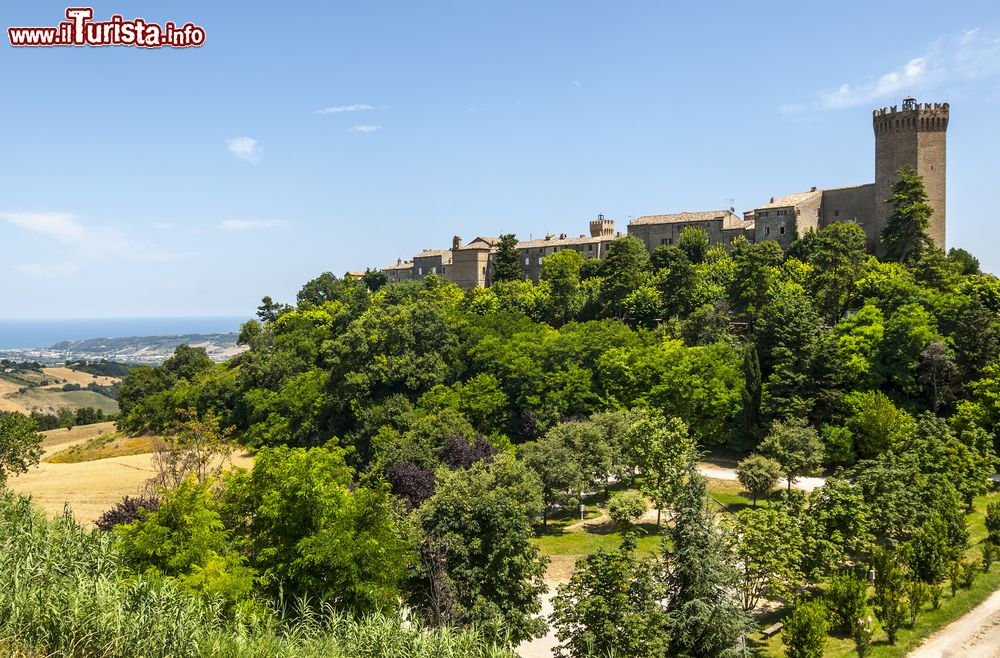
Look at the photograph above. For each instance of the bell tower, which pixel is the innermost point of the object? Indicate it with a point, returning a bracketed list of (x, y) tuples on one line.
[(912, 135)]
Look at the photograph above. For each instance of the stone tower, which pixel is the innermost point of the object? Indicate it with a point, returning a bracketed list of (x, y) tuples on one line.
[(913, 135), (602, 228)]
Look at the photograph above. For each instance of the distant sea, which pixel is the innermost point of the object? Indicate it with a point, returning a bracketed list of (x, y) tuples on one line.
[(24, 334)]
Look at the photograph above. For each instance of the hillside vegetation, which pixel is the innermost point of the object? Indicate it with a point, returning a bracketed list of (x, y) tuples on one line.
[(421, 450)]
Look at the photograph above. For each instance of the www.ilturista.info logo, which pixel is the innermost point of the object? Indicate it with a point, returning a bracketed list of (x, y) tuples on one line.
[(81, 30)]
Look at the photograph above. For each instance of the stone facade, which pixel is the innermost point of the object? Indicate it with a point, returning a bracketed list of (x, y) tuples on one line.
[(723, 226), (913, 135), (431, 261), (471, 265)]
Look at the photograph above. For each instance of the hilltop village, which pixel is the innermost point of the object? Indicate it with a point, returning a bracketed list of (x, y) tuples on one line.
[(913, 134)]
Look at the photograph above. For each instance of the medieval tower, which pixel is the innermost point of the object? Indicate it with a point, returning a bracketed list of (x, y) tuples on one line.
[(913, 135)]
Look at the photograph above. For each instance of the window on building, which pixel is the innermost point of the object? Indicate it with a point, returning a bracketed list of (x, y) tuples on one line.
[(539, 260), (767, 230), (420, 271), (434, 269), (836, 213), (590, 247), (782, 212), (527, 261), (781, 230), (670, 241)]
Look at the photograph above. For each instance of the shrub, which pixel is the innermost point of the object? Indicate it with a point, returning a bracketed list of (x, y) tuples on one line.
[(127, 510), (627, 507), (805, 631)]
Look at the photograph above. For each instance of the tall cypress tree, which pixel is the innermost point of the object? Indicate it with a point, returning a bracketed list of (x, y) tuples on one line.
[(905, 237), (706, 618), (751, 394), (508, 261)]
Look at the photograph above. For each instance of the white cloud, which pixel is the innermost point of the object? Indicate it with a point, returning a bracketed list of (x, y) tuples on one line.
[(950, 60), (164, 226), (337, 109), (916, 74), (575, 83), (250, 224), (57, 225), (48, 270), (87, 243), (244, 148), (977, 55), (365, 129)]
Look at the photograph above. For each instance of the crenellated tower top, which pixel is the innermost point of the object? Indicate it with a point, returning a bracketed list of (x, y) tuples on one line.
[(913, 117)]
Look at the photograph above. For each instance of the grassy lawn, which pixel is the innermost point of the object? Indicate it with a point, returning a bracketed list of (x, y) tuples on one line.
[(566, 536), (103, 447), (930, 620)]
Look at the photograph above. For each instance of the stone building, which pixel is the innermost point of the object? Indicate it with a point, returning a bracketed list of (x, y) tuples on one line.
[(431, 261), (471, 264), (723, 226), (915, 134), (602, 233), (401, 271)]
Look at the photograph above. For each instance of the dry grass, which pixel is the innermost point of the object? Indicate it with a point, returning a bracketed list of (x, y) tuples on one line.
[(89, 487), (62, 376), (105, 446), (9, 388)]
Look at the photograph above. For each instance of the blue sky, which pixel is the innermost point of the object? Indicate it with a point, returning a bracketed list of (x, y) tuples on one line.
[(306, 137)]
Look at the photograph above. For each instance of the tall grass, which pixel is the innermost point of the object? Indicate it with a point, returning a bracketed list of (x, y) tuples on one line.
[(63, 593)]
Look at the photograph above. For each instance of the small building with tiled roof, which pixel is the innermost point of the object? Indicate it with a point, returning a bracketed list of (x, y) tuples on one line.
[(401, 271)]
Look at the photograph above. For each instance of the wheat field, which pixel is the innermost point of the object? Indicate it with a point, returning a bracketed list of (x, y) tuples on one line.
[(90, 487)]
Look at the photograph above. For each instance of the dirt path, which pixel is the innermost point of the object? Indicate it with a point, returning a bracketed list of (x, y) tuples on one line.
[(976, 635), (722, 473)]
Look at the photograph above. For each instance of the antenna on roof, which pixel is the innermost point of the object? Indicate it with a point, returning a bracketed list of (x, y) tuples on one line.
[(732, 206)]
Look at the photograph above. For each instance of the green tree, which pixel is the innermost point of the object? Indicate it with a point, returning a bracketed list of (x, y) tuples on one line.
[(751, 394), (661, 451), (478, 564), (508, 261), (890, 601), (558, 467), (694, 243), (993, 523), (838, 257), (706, 618), (905, 237), (20, 445), (765, 571), (877, 424), (758, 475), (966, 263), (562, 272), (185, 539), (848, 600), (796, 446), (930, 551), (611, 606), (624, 269), (804, 633), (310, 531)]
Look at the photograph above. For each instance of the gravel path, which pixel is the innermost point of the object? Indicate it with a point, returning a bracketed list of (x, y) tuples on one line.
[(976, 635)]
